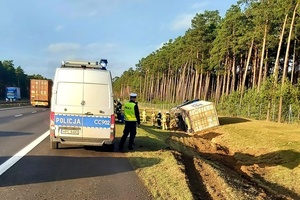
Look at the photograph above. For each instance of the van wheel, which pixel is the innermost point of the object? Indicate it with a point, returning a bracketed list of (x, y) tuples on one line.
[(109, 147), (53, 145)]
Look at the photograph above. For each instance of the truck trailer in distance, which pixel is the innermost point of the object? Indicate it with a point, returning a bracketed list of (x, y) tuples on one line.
[(40, 92), (12, 94)]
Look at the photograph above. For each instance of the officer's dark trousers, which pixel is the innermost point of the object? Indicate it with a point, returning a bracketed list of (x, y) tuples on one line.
[(130, 128)]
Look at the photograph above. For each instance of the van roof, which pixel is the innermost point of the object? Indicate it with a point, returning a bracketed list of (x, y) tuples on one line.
[(82, 64)]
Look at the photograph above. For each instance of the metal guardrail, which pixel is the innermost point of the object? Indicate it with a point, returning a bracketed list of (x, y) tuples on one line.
[(4, 104)]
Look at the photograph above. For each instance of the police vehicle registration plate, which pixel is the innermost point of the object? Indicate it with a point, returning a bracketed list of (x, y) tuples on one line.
[(70, 131)]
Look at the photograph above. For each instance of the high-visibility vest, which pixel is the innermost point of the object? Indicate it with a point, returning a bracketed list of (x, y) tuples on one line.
[(144, 114), (129, 113), (164, 118)]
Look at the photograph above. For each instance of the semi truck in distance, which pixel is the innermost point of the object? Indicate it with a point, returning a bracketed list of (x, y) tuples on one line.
[(12, 94), (40, 92)]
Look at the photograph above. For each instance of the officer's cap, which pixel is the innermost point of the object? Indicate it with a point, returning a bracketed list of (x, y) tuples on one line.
[(133, 95)]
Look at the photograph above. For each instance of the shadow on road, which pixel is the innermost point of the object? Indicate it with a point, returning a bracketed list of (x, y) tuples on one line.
[(41, 169), (12, 133)]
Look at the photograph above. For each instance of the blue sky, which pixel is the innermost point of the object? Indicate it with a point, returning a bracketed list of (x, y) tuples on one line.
[(38, 34)]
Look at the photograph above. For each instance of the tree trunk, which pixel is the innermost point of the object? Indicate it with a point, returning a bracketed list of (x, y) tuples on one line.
[(218, 89), (254, 69), (266, 67), (200, 84), (207, 82), (196, 88), (286, 63), (228, 80), (233, 74), (262, 57), (293, 63), (276, 67), (246, 68)]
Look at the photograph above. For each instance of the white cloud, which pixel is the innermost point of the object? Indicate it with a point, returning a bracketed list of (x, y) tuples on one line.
[(63, 47), (182, 22), (74, 51), (104, 48), (89, 8), (58, 28), (91, 49), (200, 5)]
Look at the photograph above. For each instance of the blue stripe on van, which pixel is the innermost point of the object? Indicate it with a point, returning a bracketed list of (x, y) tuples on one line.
[(78, 121), (96, 122)]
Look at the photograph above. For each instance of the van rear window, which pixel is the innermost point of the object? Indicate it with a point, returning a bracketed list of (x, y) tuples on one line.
[(69, 94), (97, 94), (73, 94)]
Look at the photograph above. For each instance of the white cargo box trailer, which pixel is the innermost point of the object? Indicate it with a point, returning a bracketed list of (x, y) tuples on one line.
[(201, 115)]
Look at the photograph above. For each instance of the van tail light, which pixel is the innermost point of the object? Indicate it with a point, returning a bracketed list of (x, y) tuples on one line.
[(112, 127), (52, 127), (52, 116)]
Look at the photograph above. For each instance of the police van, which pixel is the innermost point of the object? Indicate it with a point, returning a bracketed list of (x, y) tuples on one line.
[(82, 105)]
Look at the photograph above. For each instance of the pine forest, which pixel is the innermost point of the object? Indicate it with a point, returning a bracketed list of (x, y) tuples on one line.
[(246, 62)]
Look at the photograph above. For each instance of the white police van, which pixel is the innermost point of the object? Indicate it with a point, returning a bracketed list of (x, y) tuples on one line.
[(82, 105)]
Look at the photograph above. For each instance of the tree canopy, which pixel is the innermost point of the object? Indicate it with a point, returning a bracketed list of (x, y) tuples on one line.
[(254, 43), (11, 76)]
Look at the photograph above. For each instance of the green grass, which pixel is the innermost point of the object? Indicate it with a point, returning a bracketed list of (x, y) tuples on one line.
[(156, 164), (272, 147)]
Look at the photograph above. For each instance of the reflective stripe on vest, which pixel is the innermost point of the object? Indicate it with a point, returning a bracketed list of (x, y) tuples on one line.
[(129, 113)]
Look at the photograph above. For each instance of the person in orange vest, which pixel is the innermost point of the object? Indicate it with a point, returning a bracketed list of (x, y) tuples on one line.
[(153, 117), (132, 120), (144, 116), (188, 124), (164, 121), (168, 120)]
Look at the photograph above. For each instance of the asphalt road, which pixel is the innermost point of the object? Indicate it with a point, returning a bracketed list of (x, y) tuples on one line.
[(67, 173)]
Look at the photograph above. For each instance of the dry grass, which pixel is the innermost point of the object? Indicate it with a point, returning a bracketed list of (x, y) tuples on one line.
[(271, 148), (157, 166), (268, 152)]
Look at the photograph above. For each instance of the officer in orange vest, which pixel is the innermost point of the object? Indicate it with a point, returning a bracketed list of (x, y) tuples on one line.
[(132, 119)]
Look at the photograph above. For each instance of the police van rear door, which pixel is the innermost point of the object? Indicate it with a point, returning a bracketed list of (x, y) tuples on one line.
[(98, 101), (69, 103)]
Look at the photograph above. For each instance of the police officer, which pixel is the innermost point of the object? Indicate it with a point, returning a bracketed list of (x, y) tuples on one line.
[(132, 119), (118, 110), (158, 119)]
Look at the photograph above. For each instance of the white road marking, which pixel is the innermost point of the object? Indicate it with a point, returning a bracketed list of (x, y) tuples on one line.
[(33, 111), (13, 160), (19, 115), (11, 108)]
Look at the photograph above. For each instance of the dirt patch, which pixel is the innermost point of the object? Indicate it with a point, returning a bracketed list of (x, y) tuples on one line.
[(214, 173)]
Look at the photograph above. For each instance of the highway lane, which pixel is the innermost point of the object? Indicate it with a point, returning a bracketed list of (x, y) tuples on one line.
[(19, 127), (66, 173)]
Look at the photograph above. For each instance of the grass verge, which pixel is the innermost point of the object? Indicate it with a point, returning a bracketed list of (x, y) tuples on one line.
[(164, 177), (265, 151)]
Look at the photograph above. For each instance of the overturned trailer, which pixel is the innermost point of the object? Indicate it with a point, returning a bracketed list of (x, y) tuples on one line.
[(196, 115)]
